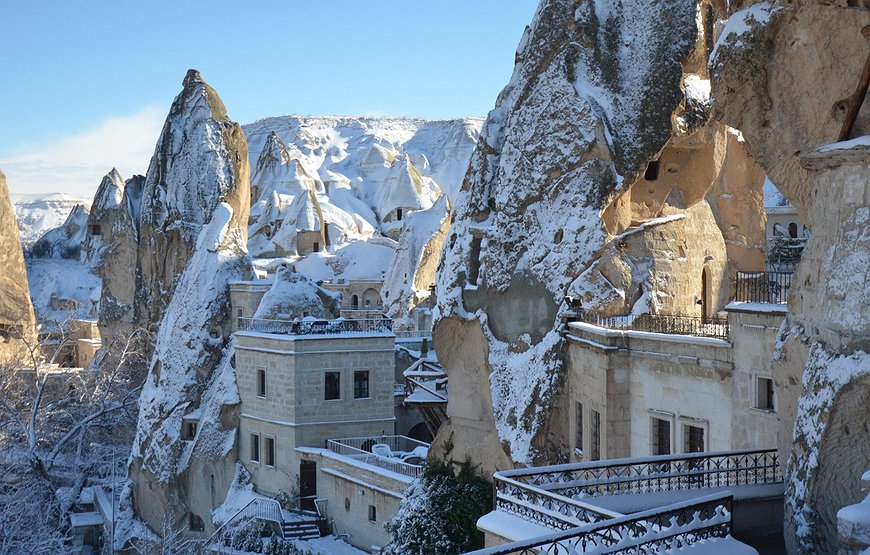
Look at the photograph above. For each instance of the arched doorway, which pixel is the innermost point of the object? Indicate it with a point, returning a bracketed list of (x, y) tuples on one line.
[(354, 302)]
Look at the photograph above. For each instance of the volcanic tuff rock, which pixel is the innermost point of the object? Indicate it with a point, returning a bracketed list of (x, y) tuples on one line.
[(193, 233), (65, 241), (200, 161), (16, 313), (105, 210), (556, 202), (784, 73), (39, 213)]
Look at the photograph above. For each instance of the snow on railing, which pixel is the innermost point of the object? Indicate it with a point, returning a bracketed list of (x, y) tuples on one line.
[(649, 474), (401, 450), (659, 323), (316, 327), (412, 334), (763, 287), (660, 530), (257, 508)]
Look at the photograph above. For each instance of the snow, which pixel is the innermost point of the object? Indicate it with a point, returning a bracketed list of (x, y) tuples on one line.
[(739, 306), (741, 23), (241, 493), (858, 142), (364, 259), (37, 214), (293, 295), (65, 280), (772, 197), (328, 545), (649, 224)]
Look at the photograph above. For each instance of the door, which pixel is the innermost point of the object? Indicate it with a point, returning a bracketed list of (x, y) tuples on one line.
[(704, 295), (307, 485)]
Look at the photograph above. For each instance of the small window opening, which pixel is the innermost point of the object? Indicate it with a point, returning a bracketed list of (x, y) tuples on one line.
[(661, 437), (764, 394), (474, 261), (652, 171), (596, 436), (361, 384), (332, 386), (96, 230), (398, 214), (255, 448), (793, 230), (261, 382), (373, 513), (270, 451), (578, 433), (189, 430), (316, 247), (195, 523)]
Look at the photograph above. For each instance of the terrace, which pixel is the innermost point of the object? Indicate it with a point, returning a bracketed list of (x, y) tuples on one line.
[(400, 454), (658, 323), (763, 287)]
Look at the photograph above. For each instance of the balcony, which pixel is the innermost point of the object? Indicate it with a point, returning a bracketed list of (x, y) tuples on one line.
[(317, 327), (763, 287), (659, 323), (399, 454)]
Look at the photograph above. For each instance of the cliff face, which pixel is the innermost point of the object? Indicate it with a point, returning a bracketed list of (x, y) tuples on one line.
[(201, 160), (785, 74), (192, 240), (17, 320), (591, 101)]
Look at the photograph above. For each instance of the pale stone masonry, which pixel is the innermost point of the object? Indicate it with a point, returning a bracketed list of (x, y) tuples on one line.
[(294, 408)]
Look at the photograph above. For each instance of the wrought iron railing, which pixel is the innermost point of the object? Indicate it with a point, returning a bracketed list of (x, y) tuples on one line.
[(413, 333), (316, 327), (648, 475), (763, 287), (659, 323), (660, 530), (362, 449)]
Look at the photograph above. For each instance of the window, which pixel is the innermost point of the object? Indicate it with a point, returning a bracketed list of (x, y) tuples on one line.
[(596, 436), (195, 523), (316, 247), (661, 437), (261, 382), (270, 451), (764, 394), (361, 384), (578, 433), (255, 448), (474, 260), (652, 171), (240, 313), (693, 439), (188, 431), (354, 302), (792, 230), (398, 213), (332, 386), (96, 230), (373, 513)]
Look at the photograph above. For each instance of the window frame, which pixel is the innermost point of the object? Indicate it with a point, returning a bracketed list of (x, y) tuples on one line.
[(373, 513), (262, 386), (367, 384), (578, 425), (770, 396), (269, 440), (326, 396), (655, 429), (254, 451), (595, 446)]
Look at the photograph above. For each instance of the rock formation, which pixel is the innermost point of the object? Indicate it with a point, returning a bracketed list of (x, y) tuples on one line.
[(294, 296), (107, 208), (65, 241), (17, 321), (595, 168), (785, 74), (183, 187), (192, 240)]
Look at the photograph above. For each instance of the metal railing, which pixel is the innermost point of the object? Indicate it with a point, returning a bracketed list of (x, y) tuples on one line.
[(257, 508), (406, 334), (649, 475), (659, 323), (763, 287), (660, 530), (316, 327), (360, 448)]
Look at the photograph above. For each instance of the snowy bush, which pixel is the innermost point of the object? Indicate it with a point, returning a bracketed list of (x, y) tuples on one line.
[(440, 511)]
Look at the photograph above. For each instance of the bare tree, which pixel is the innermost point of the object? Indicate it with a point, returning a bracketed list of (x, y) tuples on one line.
[(49, 418)]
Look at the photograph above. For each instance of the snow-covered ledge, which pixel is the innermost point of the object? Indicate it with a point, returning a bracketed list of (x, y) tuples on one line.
[(853, 523)]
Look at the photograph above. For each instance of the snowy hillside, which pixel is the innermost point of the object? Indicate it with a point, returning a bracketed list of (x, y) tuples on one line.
[(37, 214)]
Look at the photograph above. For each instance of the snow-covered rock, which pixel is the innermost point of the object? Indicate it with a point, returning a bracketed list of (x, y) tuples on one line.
[(106, 208), (39, 213), (66, 241), (294, 296)]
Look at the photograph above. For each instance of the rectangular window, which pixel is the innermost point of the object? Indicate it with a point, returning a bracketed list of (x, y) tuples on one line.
[(316, 247), (261, 382), (361, 384), (373, 513), (189, 430), (693, 439), (652, 171), (661, 437), (764, 394), (474, 260), (578, 433), (270, 451), (332, 386), (596, 436), (96, 230), (255, 448)]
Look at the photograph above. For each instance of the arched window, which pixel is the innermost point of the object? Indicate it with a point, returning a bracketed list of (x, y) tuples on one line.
[(354, 302), (792, 230)]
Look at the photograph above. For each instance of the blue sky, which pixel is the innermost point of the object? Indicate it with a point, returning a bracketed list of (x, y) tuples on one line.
[(86, 85)]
